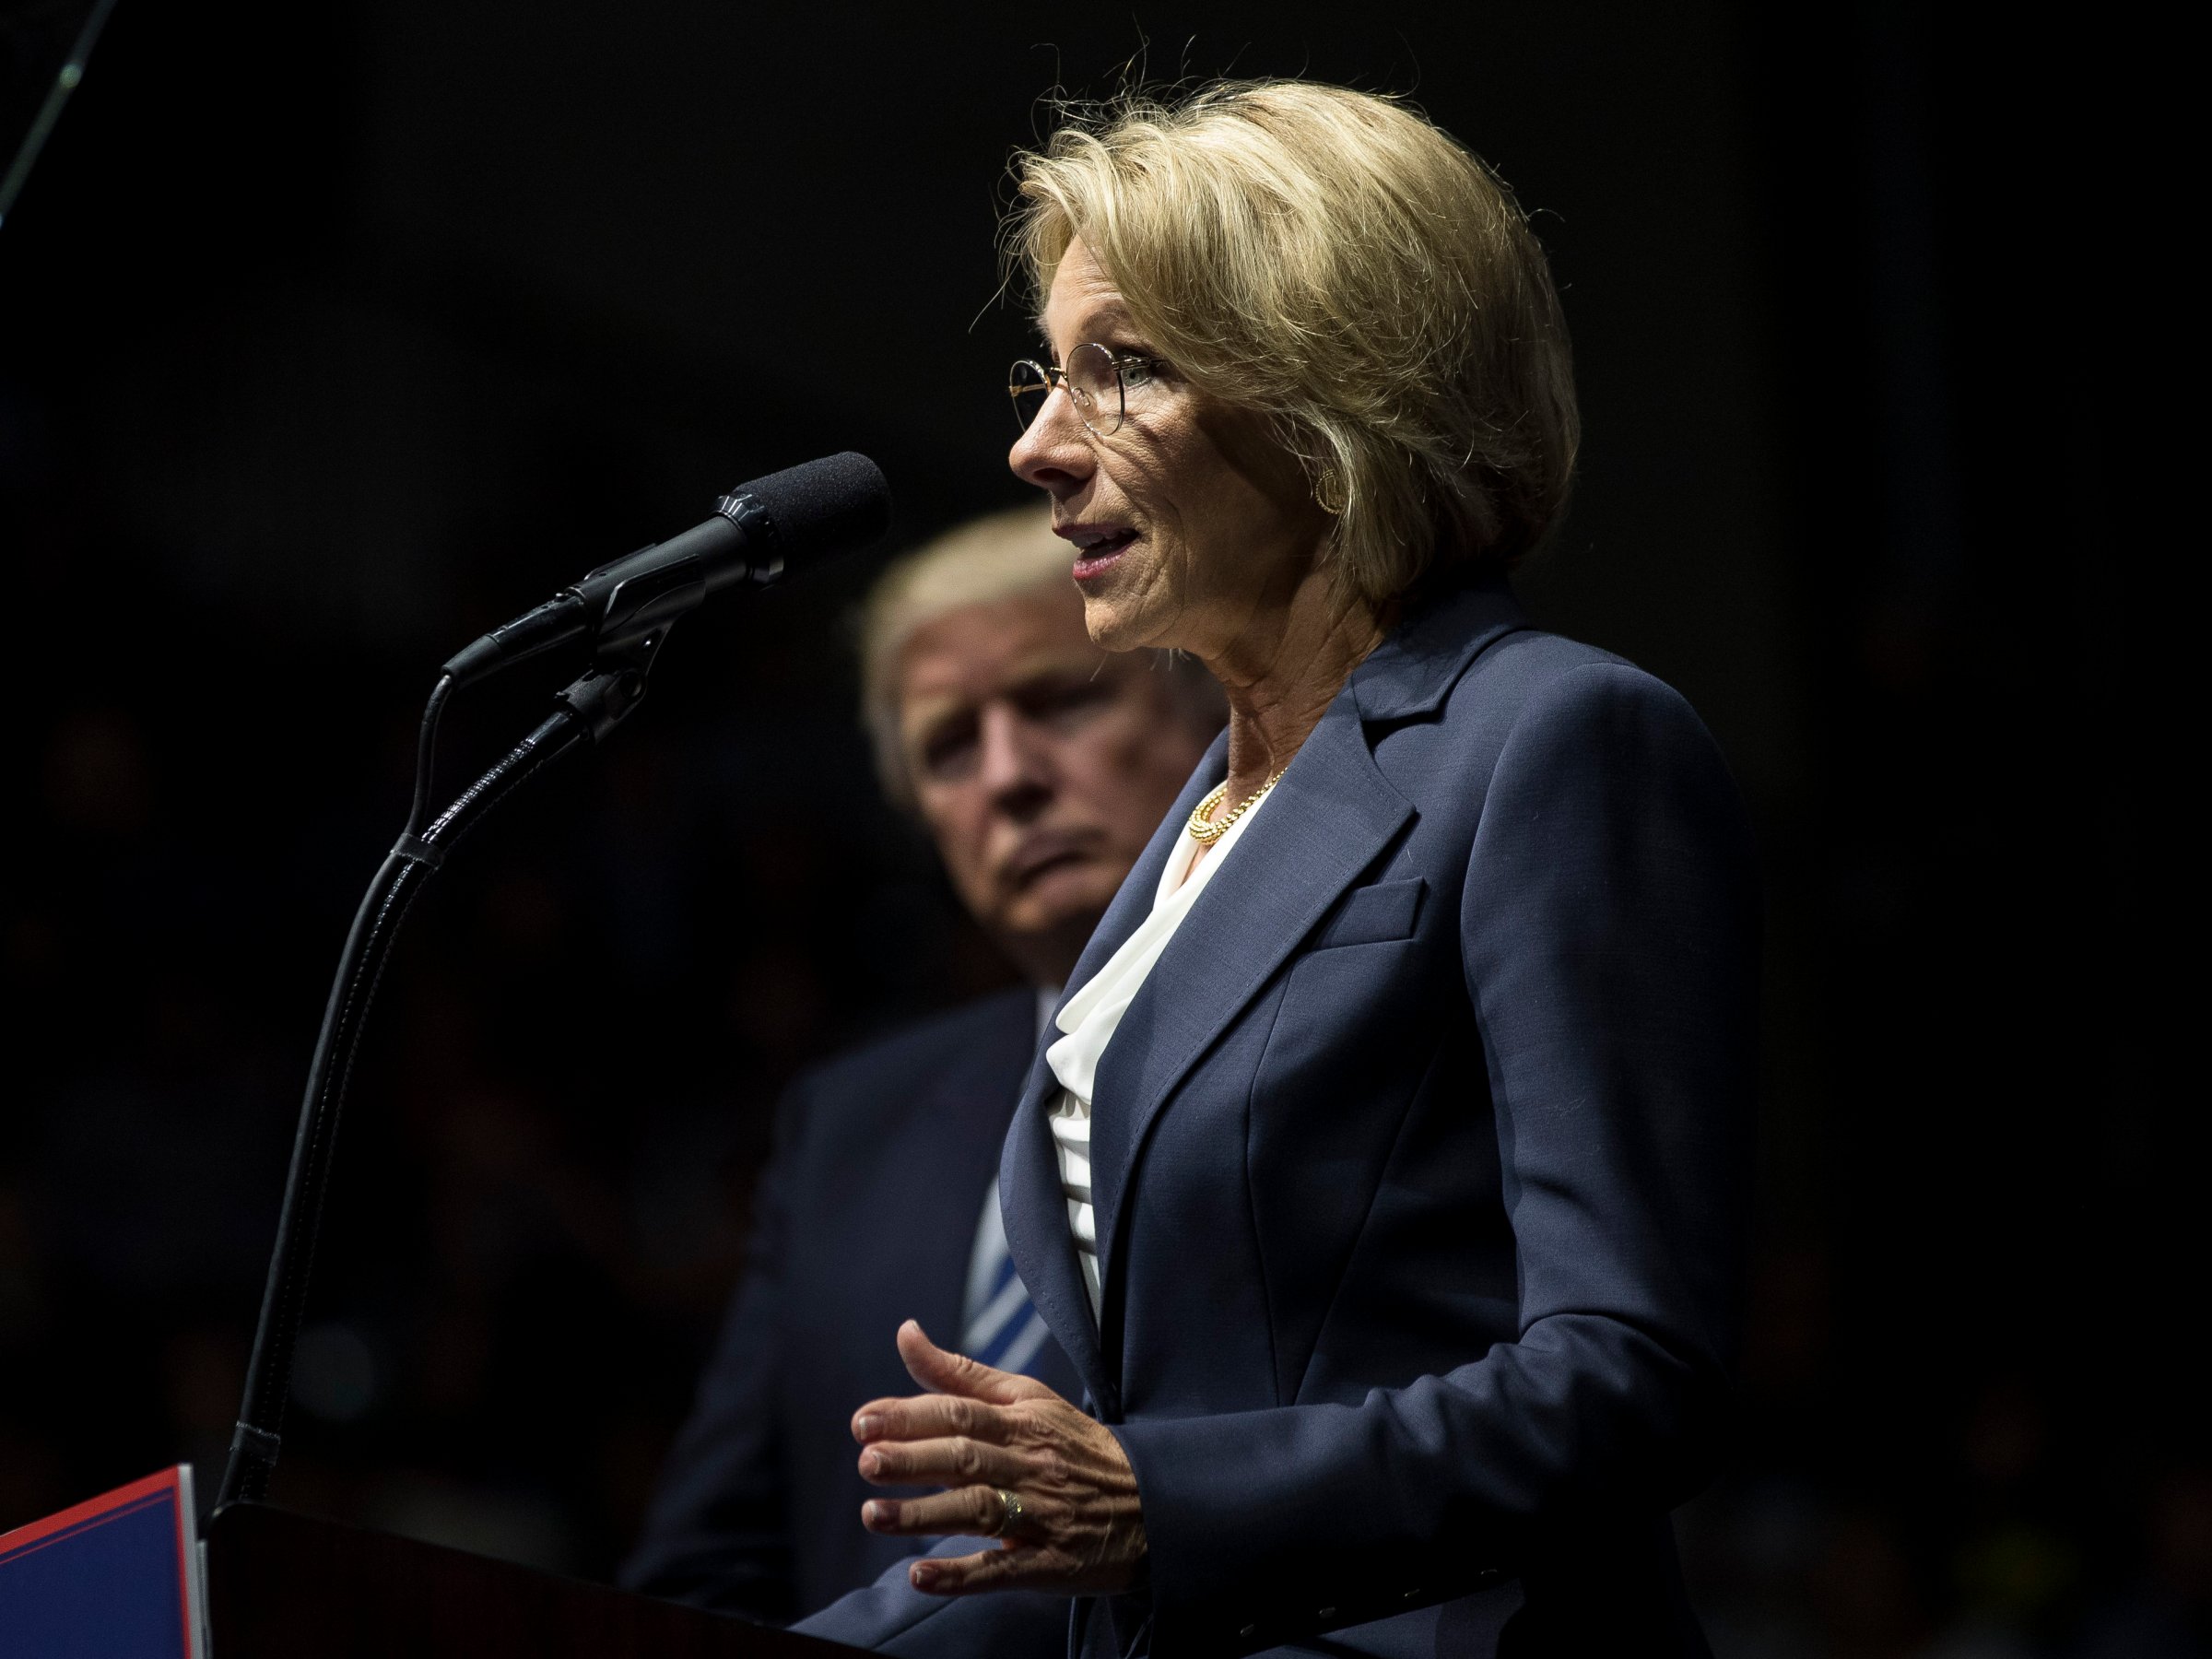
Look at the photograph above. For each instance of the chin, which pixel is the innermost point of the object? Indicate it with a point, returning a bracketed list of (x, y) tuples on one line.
[(1111, 626)]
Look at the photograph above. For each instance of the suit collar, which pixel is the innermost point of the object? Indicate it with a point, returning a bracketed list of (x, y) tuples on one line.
[(1414, 669), (960, 1120), (1409, 675)]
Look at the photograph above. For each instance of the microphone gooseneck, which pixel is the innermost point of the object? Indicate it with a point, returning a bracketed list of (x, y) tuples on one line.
[(759, 532)]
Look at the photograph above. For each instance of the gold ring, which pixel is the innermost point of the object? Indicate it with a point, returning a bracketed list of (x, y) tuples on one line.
[(1009, 1514)]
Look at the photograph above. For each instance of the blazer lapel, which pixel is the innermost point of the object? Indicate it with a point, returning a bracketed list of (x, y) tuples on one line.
[(1327, 820), (1028, 1176), (1133, 901), (1037, 1235)]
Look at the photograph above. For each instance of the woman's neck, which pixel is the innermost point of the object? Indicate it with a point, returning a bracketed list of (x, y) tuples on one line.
[(1284, 669)]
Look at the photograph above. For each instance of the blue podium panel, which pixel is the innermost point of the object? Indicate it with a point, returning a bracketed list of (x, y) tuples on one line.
[(116, 1578)]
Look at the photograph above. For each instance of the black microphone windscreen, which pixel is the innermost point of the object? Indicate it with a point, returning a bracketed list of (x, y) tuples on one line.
[(840, 503)]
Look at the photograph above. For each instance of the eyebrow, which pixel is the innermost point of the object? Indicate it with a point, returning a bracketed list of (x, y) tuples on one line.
[(1110, 316), (1124, 342), (1048, 664)]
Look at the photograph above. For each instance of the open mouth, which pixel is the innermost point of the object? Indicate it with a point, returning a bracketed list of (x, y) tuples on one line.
[(1096, 550)]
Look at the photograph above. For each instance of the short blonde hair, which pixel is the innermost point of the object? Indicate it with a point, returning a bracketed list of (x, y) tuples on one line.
[(1334, 260)]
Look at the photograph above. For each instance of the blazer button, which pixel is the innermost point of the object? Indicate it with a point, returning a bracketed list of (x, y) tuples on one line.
[(1326, 1613), (1248, 1632), (1410, 1593)]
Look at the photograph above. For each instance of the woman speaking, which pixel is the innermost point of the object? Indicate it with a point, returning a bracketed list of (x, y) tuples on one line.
[(1384, 1168)]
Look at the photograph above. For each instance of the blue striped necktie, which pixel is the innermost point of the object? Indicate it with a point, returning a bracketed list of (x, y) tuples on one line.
[(1001, 1328)]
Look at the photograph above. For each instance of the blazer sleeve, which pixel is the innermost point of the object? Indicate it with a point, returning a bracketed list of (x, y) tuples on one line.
[(1608, 937), (891, 1616), (717, 1534)]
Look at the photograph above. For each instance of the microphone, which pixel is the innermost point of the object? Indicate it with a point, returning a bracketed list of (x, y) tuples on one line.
[(759, 532)]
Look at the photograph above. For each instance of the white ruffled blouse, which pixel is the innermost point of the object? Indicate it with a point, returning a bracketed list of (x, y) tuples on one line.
[(1094, 1013)]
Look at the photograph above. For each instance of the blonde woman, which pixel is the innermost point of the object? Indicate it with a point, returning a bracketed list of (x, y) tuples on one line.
[(1384, 1169)]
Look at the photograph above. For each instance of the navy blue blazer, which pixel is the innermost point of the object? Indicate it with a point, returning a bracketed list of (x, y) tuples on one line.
[(1421, 1167), (865, 1216)]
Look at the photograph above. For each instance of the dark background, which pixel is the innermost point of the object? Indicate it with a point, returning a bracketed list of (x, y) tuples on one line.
[(335, 333)]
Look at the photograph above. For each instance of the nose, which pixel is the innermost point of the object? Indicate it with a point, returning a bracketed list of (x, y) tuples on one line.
[(1015, 772), (1054, 453)]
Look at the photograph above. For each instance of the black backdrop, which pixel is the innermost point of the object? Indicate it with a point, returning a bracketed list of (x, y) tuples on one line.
[(335, 333)]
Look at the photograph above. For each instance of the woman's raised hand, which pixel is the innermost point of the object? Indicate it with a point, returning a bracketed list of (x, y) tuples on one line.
[(1007, 1449)]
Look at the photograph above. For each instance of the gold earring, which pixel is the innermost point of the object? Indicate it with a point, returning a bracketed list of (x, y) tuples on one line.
[(1329, 493)]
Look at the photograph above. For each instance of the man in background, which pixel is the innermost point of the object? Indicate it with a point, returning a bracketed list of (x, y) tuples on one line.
[(1040, 766)]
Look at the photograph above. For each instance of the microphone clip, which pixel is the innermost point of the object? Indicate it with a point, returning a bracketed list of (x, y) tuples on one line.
[(632, 626), (640, 609)]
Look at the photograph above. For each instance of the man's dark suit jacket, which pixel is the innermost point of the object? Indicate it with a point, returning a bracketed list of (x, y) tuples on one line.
[(1420, 1165), (866, 1216)]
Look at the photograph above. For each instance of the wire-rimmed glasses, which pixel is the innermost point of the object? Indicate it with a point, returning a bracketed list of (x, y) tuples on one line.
[(1096, 380)]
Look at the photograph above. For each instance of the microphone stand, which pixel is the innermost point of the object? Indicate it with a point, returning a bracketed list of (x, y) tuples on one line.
[(591, 707)]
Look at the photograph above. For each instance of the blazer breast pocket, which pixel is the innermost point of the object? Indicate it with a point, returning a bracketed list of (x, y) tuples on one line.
[(1374, 915)]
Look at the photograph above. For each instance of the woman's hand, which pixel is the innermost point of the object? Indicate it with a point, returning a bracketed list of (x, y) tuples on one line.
[(980, 1432)]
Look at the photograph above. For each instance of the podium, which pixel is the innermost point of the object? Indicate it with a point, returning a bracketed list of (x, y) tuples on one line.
[(123, 1576), (280, 1585)]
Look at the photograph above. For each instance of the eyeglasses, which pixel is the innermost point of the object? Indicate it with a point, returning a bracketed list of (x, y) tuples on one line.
[(1097, 381)]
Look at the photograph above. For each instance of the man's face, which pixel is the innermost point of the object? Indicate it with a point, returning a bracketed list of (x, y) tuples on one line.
[(1041, 764)]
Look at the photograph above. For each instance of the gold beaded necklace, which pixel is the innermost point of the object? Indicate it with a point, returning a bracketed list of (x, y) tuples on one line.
[(1204, 829)]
